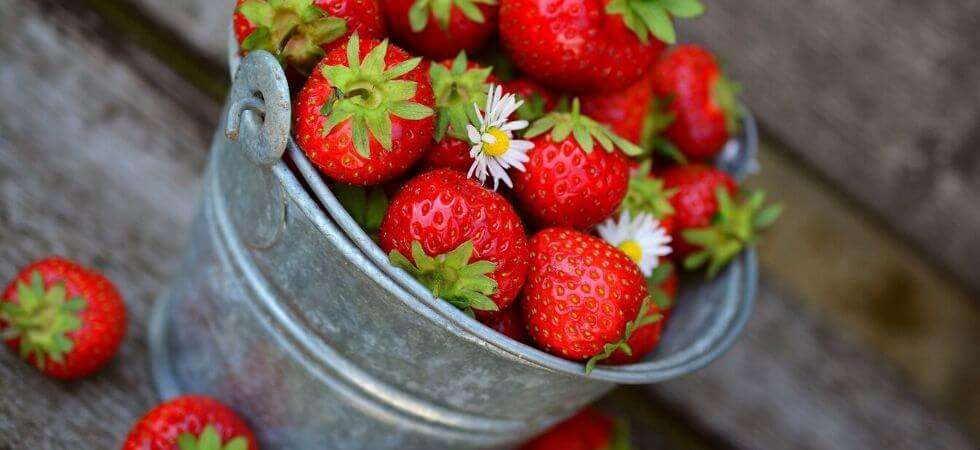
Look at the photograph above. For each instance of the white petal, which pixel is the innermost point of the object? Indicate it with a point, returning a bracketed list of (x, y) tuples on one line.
[(473, 134), (515, 125)]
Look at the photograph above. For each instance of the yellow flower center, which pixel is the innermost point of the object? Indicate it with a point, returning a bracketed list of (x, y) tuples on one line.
[(500, 146), (633, 250)]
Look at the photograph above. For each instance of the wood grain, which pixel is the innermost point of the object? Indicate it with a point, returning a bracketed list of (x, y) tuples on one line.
[(99, 163), (791, 381), (100, 154)]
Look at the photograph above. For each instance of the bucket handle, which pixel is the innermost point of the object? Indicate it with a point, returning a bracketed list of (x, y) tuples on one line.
[(260, 110)]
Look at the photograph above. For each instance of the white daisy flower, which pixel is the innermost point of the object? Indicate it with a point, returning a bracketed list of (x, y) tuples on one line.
[(641, 238), (494, 148)]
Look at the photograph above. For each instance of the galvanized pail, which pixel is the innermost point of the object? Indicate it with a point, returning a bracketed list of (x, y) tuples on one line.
[(283, 308)]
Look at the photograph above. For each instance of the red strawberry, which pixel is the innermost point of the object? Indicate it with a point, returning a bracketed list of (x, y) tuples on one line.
[(582, 296), (625, 111), (64, 319), (700, 99), (458, 85), (662, 285), (537, 100), (693, 201), (461, 240), (509, 322), (191, 423), (590, 429), (566, 183), (301, 32), (711, 226), (589, 45), (441, 29), (363, 122)]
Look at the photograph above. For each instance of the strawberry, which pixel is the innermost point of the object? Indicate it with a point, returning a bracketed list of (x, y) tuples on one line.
[(537, 100), (700, 99), (439, 29), (509, 322), (583, 296), (363, 122), (191, 423), (589, 45), (712, 226), (624, 111), (662, 285), (301, 32), (462, 241), (64, 319), (565, 182), (458, 85), (590, 429)]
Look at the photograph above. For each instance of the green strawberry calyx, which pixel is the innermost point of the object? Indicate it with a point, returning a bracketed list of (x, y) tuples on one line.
[(451, 276), (42, 318), (654, 17), (368, 94), (209, 439), (583, 129), (735, 226), (642, 319), (418, 14), (457, 89), (654, 124), (646, 194), (366, 205), (725, 94), (654, 285), (292, 30)]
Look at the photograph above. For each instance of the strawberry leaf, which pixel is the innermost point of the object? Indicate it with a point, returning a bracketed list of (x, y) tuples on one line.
[(583, 129), (643, 318), (646, 194), (735, 226), (451, 276), (43, 318), (654, 17), (292, 31)]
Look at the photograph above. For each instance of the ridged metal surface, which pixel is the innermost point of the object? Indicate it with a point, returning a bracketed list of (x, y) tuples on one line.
[(284, 308)]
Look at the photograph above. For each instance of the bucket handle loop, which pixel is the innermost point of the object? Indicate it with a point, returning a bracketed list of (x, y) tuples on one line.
[(260, 110)]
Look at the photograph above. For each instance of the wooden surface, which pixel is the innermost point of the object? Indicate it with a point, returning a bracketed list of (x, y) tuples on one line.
[(101, 147)]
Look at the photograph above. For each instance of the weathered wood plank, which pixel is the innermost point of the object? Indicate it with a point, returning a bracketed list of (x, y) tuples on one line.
[(124, 195), (204, 24), (856, 276), (882, 97), (98, 163), (793, 382)]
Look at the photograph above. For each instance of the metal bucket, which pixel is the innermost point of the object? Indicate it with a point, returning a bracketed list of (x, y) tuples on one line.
[(283, 308)]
